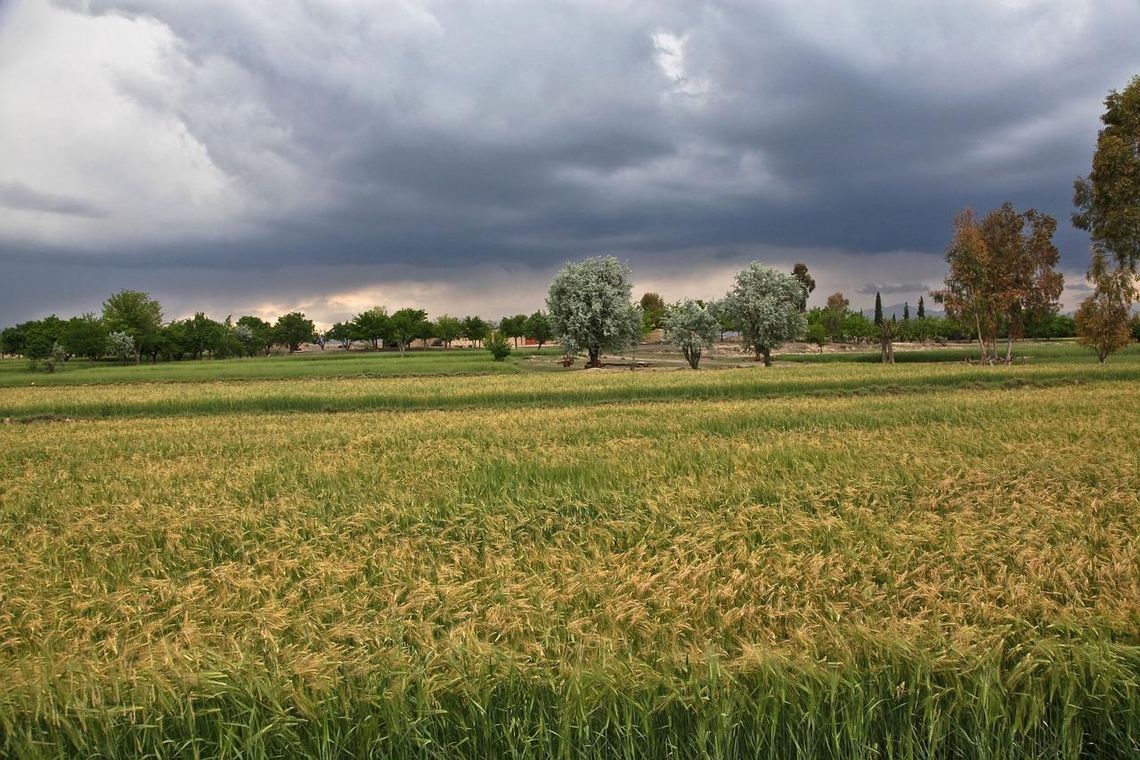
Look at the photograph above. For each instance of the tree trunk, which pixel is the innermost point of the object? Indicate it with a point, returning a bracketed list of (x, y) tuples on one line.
[(767, 355), (981, 343), (595, 357), (1009, 348), (693, 355)]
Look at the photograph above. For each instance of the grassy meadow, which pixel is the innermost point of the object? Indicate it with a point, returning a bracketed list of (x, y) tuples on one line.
[(818, 560), (328, 363)]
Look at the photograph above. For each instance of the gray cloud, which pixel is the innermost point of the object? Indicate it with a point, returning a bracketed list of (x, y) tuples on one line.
[(871, 288), (16, 195), (231, 147)]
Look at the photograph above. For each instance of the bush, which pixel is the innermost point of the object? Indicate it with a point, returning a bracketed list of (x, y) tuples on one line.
[(817, 335), (498, 345)]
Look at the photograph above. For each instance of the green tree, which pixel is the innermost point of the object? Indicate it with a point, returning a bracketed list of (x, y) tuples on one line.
[(40, 338), (906, 311), (475, 329), (292, 330), (1102, 318), (921, 308), (652, 310), (12, 340), (226, 341), (513, 327), (1108, 200), (590, 309), (406, 325), (448, 328), (343, 333), (173, 341), (800, 272), (372, 325), (857, 327), (878, 309), (766, 305), (426, 331), (86, 336), (538, 327), (201, 334), (817, 335), (1051, 326), (692, 327), (256, 335), (833, 315), (136, 314)]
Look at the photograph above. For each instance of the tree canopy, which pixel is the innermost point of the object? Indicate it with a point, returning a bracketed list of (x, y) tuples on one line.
[(134, 313), (475, 329), (1002, 271), (691, 327), (405, 325), (765, 304), (800, 272), (1102, 318), (590, 309), (292, 330), (1108, 200), (372, 325), (448, 328), (652, 310)]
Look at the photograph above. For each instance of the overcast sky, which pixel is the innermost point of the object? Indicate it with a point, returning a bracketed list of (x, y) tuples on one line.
[(259, 156)]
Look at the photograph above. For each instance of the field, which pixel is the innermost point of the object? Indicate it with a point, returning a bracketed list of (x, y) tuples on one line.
[(463, 559)]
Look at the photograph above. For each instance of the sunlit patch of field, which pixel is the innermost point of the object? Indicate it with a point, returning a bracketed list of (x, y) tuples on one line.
[(814, 561)]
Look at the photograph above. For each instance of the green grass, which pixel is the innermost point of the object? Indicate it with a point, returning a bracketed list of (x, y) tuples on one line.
[(335, 363), (328, 363), (816, 561)]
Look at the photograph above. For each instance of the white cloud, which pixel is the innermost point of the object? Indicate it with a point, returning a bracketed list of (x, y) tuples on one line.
[(669, 54), (72, 130)]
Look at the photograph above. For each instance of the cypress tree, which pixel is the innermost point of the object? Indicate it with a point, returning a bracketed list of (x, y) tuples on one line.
[(878, 309), (921, 309), (906, 311)]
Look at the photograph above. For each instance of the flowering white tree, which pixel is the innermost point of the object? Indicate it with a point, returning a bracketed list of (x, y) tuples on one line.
[(765, 304), (590, 309), (120, 345), (691, 327)]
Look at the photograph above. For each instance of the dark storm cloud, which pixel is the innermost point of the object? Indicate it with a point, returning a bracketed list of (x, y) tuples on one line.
[(360, 144)]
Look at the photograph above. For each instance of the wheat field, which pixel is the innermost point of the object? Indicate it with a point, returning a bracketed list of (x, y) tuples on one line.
[(815, 561)]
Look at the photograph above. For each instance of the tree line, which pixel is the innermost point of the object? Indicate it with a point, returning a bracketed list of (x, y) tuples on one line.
[(1002, 284), (131, 327)]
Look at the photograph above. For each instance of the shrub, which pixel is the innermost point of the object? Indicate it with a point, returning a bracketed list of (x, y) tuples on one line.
[(499, 346)]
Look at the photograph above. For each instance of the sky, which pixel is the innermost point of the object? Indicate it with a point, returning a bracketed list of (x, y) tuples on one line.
[(261, 156)]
